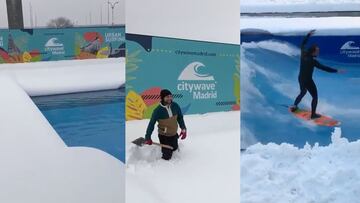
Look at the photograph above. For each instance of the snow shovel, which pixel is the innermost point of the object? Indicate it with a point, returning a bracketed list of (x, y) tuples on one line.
[(141, 141)]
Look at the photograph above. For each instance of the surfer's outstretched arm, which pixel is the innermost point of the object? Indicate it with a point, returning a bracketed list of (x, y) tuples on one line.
[(306, 39), (325, 68)]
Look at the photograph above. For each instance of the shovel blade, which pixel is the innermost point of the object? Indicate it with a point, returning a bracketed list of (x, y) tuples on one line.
[(139, 141)]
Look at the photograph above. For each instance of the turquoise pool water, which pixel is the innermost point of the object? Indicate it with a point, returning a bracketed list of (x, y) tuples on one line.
[(90, 119)]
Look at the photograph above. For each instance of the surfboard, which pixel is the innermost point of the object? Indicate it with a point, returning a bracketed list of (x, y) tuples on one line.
[(322, 121)]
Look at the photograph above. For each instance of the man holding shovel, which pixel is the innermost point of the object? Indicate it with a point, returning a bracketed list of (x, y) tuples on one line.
[(169, 116)]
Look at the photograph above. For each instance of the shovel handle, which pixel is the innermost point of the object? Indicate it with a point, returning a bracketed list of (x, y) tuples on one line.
[(163, 145)]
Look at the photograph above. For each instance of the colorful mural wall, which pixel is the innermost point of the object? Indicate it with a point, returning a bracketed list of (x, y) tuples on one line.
[(32, 45), (203, 76)]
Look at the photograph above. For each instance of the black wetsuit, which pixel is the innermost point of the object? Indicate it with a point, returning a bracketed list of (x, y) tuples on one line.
[(307, 64)]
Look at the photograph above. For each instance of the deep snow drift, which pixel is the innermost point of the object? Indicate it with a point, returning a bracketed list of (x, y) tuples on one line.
[(206, 169), (60, 77), (36, 166), (284, 173), (259, 6)]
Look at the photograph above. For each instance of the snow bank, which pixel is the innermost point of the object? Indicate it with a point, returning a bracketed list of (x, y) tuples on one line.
[(284, 173), (261, 6), (291, 26), (206, 169), (36, 166), (58, 77)]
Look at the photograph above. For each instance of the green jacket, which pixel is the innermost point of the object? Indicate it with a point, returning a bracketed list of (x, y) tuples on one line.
[(168, 119)]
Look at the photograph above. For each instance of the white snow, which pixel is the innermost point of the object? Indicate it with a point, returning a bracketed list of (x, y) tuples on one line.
[(292, 26), (206, 169), (58, 77), (260, 6), (284, 173), (37, 167)]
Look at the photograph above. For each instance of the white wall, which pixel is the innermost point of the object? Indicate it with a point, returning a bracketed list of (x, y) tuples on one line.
[(205, 20)]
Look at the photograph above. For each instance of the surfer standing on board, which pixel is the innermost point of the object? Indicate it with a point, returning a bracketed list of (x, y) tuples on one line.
[(306, 82)]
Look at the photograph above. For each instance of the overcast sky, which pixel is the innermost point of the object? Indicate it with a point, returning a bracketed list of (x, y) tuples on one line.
[(79, 11)]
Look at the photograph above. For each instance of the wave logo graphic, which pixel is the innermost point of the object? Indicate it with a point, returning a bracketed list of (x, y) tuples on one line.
[(54, 47), (54, 42), (350, 45), (191, 72)]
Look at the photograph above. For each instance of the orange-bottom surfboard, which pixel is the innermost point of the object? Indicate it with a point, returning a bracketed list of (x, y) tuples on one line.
[(322, 121)]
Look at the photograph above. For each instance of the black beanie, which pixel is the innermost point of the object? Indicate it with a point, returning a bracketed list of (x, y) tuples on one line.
[(164, 93)]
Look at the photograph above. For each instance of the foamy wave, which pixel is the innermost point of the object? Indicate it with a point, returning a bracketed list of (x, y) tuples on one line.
[(275, 46)]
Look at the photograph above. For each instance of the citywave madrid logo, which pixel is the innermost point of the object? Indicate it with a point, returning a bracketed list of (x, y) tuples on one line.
[(54, 46), (200, 86), (350, 49)]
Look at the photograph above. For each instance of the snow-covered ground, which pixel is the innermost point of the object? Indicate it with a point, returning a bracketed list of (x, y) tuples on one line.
[(206, 169), (291, 26), (260, 6), (283, 173), (37, 167), (58, 77)]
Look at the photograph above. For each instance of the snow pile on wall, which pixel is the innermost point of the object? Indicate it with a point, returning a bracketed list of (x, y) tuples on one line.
[(36, 166), (206, 169), (59, 77), (283, 173), (291, 26), (259, 6)]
